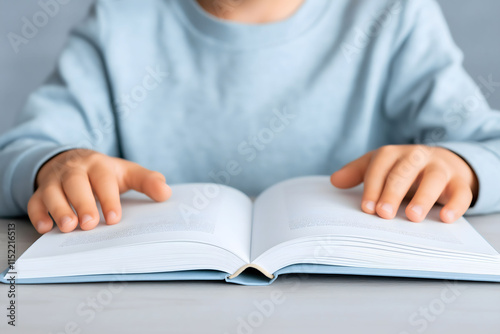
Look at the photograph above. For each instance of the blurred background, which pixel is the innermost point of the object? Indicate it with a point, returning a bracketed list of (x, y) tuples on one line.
[(474, 24)]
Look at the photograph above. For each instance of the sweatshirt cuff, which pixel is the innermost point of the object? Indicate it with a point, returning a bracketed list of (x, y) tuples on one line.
[(23, 180), (486, 165)]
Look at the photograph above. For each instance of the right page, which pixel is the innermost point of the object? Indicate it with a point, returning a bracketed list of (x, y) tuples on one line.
[(312, 221)]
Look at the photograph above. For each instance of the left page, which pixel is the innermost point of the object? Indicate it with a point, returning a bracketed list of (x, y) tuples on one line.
[(212, 216)]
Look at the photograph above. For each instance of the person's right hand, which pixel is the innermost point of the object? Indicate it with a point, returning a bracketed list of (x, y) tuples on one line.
[(75, 176)]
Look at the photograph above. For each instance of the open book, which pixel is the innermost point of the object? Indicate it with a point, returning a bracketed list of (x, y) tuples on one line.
[(210, 232)]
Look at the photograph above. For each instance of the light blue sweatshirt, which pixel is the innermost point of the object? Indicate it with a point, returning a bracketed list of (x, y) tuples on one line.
[(164, 84)]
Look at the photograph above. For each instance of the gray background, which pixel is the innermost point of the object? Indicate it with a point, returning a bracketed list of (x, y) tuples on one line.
[(474, 24), (321, 305)]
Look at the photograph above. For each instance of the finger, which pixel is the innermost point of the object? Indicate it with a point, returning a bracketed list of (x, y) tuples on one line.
[(460, 200), (106, 188), (148, 182), (376, 175), (397, 184), (430, 189), (77, 188), (38, 214), (351, 174), (55, 201)]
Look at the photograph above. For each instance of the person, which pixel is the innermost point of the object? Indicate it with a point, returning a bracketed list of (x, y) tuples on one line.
[(249, 93)]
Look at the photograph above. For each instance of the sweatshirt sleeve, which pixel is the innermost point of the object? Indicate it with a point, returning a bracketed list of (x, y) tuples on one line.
[(73, 109), (431, 100)]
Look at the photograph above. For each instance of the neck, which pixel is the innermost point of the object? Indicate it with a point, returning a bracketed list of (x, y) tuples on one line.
[(251, 11)]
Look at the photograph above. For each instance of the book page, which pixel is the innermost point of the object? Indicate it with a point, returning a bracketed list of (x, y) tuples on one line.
[(203, 213), (311, 206)]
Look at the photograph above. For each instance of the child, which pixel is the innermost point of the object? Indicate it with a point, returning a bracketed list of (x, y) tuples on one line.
[(249, 93)]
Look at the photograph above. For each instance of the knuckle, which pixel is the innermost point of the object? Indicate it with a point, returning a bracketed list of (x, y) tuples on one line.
[(101, 170), (131, 165), (418, 155), (78, 158), (130, 168), (401, 170), (84, 203), (437, 171), (69, 158), (70, 174), (95, 158), (404, 169), (395, 187), (49, 171), (387, 149), (49, 190), (102, 177), (429, 191)]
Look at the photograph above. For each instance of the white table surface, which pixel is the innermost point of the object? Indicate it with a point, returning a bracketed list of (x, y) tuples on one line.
[(313, 304)]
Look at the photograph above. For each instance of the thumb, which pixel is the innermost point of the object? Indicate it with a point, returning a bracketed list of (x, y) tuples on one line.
[(351, 174), (146, 181)]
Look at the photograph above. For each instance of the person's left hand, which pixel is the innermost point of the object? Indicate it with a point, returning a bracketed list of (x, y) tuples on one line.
[(426, 174)]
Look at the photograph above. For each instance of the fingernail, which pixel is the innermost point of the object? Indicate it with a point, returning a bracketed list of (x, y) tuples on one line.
[(86, 219), (65, 221), (370, 205), (417, 209), (450, 215), (111, 216), (387, 208), (39, 225)]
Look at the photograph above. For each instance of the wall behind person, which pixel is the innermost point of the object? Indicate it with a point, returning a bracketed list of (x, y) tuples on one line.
[(474, 25), (22, 72)]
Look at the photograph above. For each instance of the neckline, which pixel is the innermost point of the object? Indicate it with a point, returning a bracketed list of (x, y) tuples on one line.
[(247, 35)]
